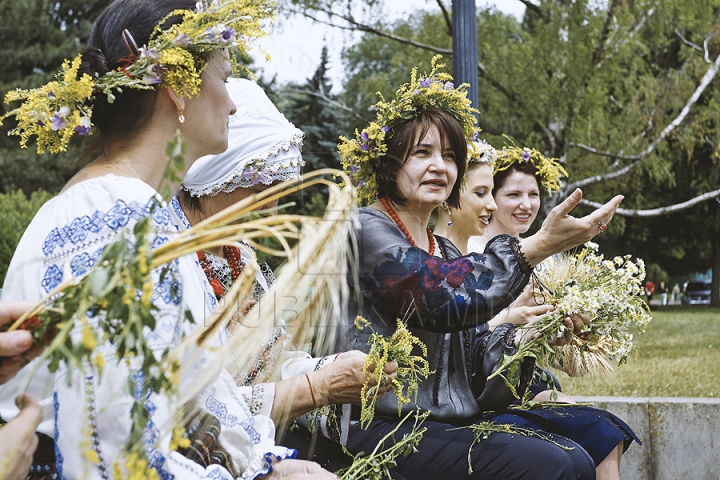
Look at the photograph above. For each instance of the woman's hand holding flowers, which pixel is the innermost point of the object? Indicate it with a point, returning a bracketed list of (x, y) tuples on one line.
[(342, 380)]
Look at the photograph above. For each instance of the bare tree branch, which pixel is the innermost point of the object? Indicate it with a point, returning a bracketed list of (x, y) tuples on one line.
[(531, 6), (600, 47), (707, 78), (686, 41), (656, 212), (367, 28), (325, 98), (445, 13)]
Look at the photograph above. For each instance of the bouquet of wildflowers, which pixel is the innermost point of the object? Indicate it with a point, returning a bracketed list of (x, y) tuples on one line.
[(609, 291)]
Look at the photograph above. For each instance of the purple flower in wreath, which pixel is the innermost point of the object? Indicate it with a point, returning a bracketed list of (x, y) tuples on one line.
[(354, 168), (58, 122), (228, 34), (385, 129), (364, 137), (361, 184), (449, 85), (425, 82), (365, 147), (526, 156), (416, 92), (82, 130), (182, 40)]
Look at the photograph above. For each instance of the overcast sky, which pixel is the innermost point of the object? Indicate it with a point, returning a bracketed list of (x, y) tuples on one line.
[(295, 43)]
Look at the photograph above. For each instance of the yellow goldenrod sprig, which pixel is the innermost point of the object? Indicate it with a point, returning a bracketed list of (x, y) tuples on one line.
[(411, 368)]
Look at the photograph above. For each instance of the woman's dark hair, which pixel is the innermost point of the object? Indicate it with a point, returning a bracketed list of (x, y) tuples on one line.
[(500, 178), (107, 50), (408, 135)]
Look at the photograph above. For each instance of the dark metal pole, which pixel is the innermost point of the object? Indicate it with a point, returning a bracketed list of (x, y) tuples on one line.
[(465, 53)]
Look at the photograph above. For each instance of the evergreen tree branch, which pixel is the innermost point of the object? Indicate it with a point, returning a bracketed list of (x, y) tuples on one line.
[(656, 212), (635, 159), (328, 100)]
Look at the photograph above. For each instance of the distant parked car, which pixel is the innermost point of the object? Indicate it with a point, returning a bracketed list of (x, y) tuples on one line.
[(697, 292)]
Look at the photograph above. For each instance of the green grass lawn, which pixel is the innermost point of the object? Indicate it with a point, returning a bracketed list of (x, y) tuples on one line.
[(678, 356)]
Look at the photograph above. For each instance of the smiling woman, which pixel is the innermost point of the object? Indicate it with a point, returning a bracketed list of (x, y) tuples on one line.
[(413, 158)]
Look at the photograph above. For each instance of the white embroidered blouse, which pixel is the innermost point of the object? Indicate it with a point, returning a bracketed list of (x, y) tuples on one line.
[(66, 238)]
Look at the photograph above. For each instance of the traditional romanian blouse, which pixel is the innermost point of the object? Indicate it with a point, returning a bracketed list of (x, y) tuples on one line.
[(65, 239)]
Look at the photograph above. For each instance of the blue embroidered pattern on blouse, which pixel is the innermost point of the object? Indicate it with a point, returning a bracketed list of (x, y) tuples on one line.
[(151, 434), (117, 217), (220, 411), (56, 436), (84, 231), (249, 426)]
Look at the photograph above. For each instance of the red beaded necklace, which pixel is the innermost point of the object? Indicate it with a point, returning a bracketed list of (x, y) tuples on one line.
[(399, 223), (233, 256)]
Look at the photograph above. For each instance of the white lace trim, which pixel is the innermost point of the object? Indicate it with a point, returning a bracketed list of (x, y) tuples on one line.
[(263, 169)]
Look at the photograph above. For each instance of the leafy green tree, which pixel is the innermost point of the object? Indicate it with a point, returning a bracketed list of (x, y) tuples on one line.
[(36, 36), (622, 92), (16, 212)]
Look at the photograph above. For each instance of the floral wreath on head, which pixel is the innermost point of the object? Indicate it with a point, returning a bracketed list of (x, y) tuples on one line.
[(482, 152), (549, 170), (361, 156), (172, 58)]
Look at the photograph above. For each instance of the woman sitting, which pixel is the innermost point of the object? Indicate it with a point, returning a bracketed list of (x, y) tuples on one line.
[(264, 149), (133, 99), (413, 158)]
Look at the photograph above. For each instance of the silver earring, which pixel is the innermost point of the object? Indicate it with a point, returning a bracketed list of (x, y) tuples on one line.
[(181, 117), (447, 209)]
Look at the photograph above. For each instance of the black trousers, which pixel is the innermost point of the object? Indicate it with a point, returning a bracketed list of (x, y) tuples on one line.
[(443, 454)]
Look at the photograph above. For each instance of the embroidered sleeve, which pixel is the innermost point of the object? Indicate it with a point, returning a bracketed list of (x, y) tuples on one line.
[(434, 294)]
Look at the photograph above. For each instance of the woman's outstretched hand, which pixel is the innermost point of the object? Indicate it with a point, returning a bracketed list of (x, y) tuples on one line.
[(560, 231)]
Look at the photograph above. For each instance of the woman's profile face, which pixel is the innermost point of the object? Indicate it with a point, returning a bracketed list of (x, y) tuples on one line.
[(518, 202), (206, 115), (428, 175), (476, 201)]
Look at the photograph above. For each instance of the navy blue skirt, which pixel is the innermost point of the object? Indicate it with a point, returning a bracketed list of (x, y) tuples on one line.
[(597, 431)]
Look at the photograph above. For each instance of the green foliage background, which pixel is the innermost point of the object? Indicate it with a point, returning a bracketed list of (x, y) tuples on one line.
[(16, 212)]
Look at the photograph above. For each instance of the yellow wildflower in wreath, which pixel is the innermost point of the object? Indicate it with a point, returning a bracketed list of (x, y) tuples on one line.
[(549, 170), (361, 156), (173, 58)]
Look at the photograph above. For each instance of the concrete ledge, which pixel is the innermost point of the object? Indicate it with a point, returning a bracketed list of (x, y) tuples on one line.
[(679, 435)]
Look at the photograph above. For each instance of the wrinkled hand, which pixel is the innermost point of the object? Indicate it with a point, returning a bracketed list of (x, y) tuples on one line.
[(560, 231), (18, 440), (16, 347), (341, 381), (299, 470)]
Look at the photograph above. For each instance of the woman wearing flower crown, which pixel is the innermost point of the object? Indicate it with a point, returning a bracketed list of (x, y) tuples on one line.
[(413, 157), (133, 99), (526, 170), (264, 149)]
